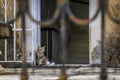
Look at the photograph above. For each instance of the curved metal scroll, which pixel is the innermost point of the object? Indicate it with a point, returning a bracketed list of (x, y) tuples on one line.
[(82, 21), (60, 3)]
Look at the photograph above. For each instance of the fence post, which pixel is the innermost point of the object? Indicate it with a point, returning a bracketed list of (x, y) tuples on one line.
[(103, 74)]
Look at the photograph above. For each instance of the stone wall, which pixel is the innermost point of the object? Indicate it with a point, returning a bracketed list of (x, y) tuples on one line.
[(113, 35), (10, 45)]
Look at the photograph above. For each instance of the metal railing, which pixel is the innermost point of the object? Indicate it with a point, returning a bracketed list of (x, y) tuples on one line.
[(62, 10)]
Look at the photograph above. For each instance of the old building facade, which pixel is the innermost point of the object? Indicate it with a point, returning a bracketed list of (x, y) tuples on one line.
[(83, 42)]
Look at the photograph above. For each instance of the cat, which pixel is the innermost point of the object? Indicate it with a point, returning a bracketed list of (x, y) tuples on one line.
[(41, 58), (1, 69)]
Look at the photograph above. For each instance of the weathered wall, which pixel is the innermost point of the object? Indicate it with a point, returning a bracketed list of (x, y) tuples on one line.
[(10, 40), (95, 34), (113, 35)]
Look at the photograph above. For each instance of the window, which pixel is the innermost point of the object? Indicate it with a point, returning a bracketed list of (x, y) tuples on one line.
[(12, 47)]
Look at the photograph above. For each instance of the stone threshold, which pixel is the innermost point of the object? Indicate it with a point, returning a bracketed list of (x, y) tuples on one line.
[(73, 71), (56, 77), (70, 69)]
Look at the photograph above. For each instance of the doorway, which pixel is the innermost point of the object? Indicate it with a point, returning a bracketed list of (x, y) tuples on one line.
[(78, 46)]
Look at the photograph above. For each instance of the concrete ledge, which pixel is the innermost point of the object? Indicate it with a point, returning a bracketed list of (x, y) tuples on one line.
[(53, 77), (74, 72)]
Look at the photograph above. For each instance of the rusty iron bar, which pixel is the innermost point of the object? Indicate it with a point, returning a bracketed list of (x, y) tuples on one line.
[(63, 28), (24, 74), (63, 31), (23, 6), (103, 74)]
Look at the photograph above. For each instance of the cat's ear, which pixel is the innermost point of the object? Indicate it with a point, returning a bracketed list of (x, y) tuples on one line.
[(43, 48)]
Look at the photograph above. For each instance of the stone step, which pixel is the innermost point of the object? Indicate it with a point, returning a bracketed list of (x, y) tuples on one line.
[(56, 77), (55, 69), (73, 72)]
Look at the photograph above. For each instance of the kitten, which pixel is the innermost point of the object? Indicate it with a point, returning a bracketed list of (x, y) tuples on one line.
[(1, 69), (41, 58)]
